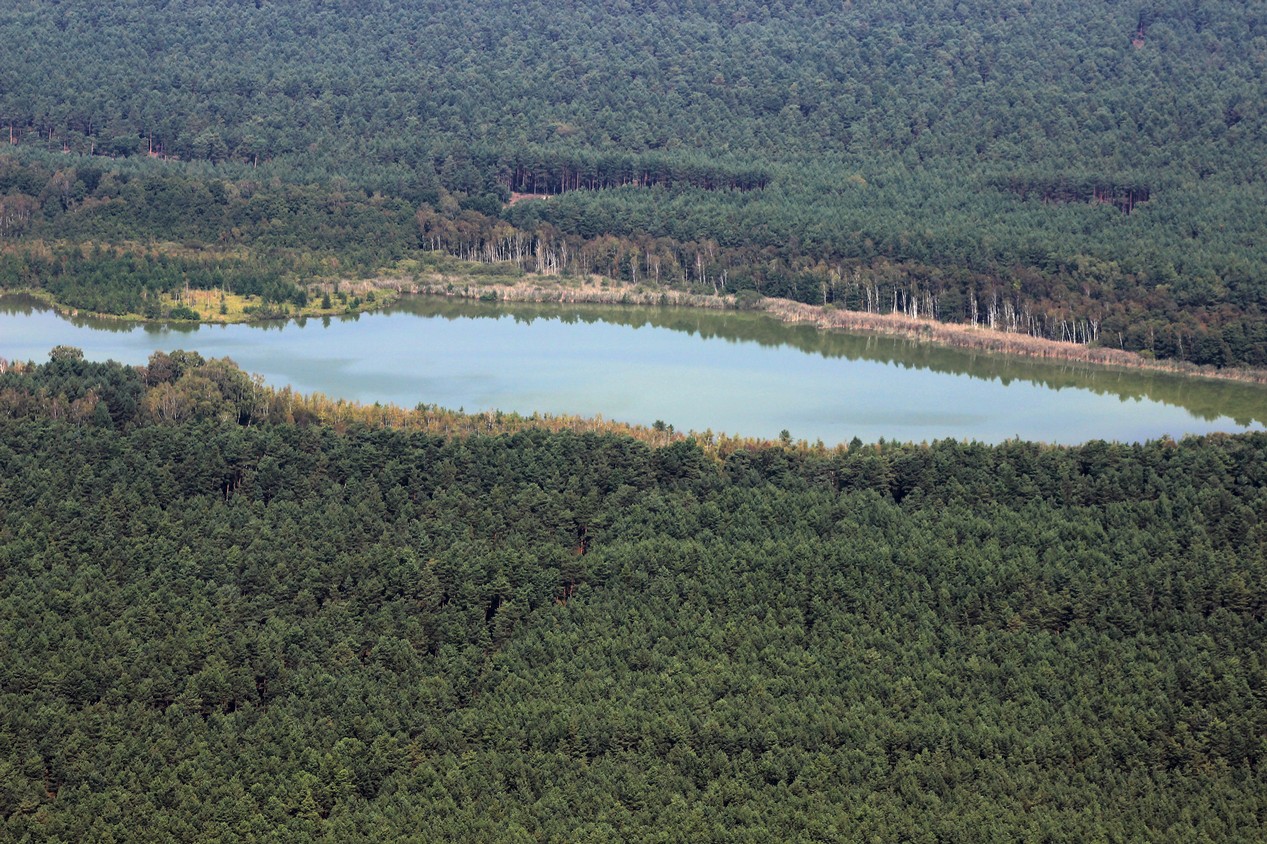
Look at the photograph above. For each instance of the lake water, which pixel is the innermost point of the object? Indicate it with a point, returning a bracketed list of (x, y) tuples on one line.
[(740, 373)]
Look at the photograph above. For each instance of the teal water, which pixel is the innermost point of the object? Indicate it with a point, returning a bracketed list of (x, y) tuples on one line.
[(738, 373)]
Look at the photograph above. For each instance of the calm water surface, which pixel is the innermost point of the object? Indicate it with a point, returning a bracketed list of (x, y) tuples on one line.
[(729, 372)]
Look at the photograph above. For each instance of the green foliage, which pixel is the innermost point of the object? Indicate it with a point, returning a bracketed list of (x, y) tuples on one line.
[(1081, 171), (128, 282), (66, 353), (215, 628)]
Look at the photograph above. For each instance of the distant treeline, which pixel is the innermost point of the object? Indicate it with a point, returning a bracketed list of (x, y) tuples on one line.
[(1078, 299), (545, 171), (1092, 172), (687, 238), (1123, 195)]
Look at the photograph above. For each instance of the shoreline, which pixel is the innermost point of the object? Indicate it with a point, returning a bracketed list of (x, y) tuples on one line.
[(381, 295), (601, 291), (944, 334)]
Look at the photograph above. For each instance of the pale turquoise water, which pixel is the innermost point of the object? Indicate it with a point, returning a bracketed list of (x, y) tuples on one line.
[(732, 372)]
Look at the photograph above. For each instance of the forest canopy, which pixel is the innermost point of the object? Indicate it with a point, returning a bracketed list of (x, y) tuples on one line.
[(223, 623), (1084, 171), (229, 612)]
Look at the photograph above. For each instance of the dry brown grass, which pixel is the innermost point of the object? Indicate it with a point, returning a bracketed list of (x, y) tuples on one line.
[(959, 336)]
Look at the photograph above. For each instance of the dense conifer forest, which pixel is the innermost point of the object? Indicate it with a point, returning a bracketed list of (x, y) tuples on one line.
[(225, 619), (1085, 171), (229, 612)]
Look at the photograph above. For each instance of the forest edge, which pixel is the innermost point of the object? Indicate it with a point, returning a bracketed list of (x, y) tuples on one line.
[(351, 296)]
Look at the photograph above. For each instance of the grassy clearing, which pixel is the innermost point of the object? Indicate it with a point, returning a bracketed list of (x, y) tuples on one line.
[(329, 298)]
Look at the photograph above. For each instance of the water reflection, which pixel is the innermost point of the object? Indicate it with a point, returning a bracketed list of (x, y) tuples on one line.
[(726, 371), (1207, 399), (22, 304)]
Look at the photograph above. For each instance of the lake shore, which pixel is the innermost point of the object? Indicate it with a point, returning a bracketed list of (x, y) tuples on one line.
[(216, 307), (350, 296), (827, 318)]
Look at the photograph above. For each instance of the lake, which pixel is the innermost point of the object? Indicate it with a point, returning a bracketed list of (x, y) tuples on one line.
[(732, 372)]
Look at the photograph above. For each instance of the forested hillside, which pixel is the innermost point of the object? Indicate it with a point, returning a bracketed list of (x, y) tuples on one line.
[(1086, 171), (217, 625)]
